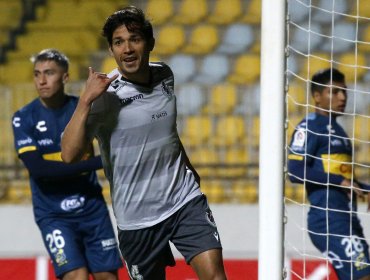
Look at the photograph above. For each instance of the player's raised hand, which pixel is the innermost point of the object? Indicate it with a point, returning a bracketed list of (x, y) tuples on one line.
[(96, 84)]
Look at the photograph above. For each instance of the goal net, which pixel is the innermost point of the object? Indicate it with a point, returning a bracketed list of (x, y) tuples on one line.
[(322, 34)]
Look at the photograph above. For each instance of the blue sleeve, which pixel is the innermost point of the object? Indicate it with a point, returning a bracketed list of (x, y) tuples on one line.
[(300, 165), (40, 168)]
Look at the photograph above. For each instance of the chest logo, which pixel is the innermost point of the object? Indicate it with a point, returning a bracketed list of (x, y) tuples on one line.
[(41, 126), (16, 122)]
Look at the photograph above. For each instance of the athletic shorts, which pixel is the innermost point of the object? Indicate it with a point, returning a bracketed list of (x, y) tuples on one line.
[(84, 242), (191, 229), (348, 256)]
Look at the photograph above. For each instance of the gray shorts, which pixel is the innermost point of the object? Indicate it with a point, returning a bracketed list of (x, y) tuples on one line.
[(191, 229)]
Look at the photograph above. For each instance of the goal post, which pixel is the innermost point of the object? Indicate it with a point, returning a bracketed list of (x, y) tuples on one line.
[(271, 154)]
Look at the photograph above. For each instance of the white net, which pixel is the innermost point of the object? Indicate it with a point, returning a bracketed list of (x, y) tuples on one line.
[(322, 34)]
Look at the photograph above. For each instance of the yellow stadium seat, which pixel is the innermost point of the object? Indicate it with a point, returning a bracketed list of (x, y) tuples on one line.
[(253, 14), (205, 161), (236, 160), (108, 64), (159, 11), (244, 191), (191, 11), (362, 10), (364, 40), (255, 131), (16, 72), (298, 96), (203, 39), (197, 130), (353, 66), (230, 130), (313, 63), (10, 14), (225, 11), (170, 38), (223, 99), (214, 190), (246, 70)]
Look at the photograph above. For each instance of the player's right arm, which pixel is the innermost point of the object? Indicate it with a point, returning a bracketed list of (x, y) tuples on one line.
[(75, 139)]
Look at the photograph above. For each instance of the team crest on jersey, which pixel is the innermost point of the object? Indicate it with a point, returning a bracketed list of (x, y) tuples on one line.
[(166, 90)]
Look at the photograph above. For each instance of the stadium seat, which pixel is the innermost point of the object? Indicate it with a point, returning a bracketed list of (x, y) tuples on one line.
[(191, 12), (305, 38), (108, 64), (159, 11), (183, 67), (361, 11), (204, 161), (10, 14), (313, 63), (298, 96), (353, 66), (298, 10), (213, 69), (16, 72), (237, 39), (329, 10), (364, 40), (342, 38), (225, 11), (190, 99), (236, 160), (203, 40), (246, 70), (170, 38), (244, 191), (223, 99), (253, 14), (230, 130), (214, 190), (197, 130)]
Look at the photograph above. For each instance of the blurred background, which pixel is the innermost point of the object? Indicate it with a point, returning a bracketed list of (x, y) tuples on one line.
[(213, 48)]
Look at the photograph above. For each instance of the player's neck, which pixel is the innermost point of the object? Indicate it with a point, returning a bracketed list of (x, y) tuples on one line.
[(54, 102)]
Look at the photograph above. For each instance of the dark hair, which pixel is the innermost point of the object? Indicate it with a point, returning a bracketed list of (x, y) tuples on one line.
[(54, 55), (322, 78), (134, 20)]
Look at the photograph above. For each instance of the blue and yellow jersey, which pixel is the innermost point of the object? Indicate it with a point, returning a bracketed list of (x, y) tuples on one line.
[(320, 155), (38, 130)]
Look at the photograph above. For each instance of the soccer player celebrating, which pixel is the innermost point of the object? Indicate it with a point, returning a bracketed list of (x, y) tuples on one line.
[(155, 190), (68, 204), (320, 156)]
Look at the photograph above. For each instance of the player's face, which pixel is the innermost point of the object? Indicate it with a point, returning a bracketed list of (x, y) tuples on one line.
[(332, 99), (49, 79), (131, 52)]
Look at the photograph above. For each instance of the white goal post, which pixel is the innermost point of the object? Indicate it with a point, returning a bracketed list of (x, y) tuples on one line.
[(271, 157)]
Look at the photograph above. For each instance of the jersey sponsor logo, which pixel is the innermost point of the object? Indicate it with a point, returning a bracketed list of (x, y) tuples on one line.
[(108, 244), (41, 126), (117, 85), (45, 142), (26, 141), (338, 164), (159, 115), (72, 203), (16, 122), (128, 100), (336, 142), (299, 138)]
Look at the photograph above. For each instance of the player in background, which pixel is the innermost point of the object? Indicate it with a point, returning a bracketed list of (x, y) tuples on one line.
[(68, 204), (155, 191), (320, 157)]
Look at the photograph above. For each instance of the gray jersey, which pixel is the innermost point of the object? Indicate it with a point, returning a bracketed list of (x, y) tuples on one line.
[(141, 150)]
